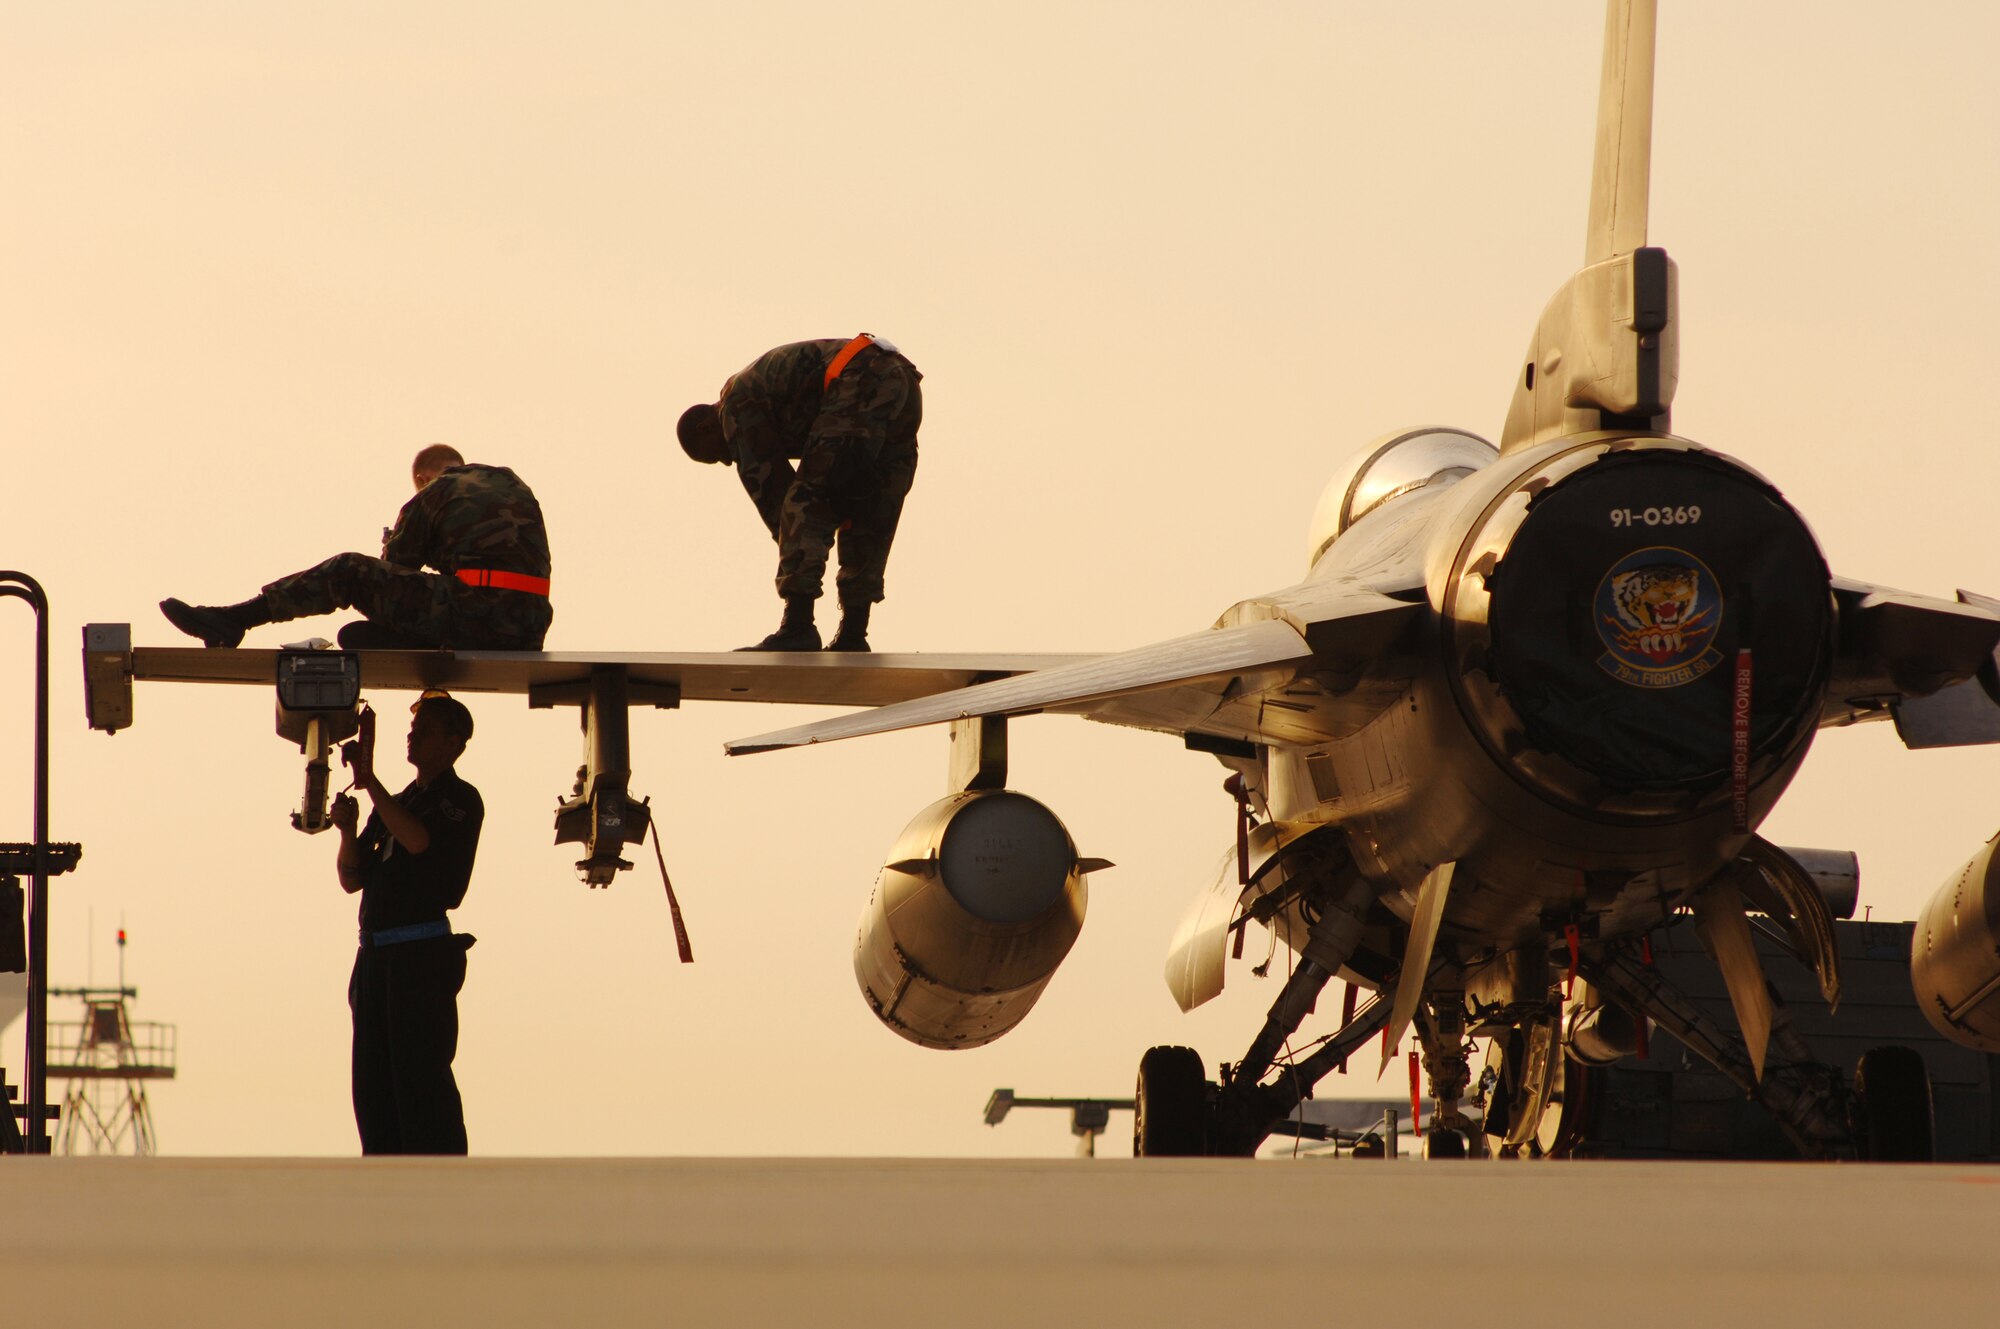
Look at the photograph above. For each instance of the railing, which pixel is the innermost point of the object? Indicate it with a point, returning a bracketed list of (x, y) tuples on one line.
[(149, 1052)]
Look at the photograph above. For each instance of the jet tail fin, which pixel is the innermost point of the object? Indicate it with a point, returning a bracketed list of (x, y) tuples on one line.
[(1621, 173), (1606, 353)]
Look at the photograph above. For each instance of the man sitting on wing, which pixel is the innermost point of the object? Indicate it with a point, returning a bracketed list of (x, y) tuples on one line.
[(478, 526)]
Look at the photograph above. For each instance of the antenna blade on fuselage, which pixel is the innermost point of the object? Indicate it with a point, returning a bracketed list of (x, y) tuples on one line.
[(1621, 171)]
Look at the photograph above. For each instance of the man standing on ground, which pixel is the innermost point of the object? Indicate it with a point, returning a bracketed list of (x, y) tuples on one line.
[(479, 526), (848, 411), (411, 863)]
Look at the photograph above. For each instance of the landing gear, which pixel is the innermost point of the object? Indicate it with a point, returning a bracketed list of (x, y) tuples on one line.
[(1444, 1143), (1520, 1082), (1177, 1113), (1566, 1123), (1170, 1110), (1895, 1122), (1441, 1029), (1806, 1097)]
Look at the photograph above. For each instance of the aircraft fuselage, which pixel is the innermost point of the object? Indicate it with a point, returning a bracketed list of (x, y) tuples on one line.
[(1626, 649)]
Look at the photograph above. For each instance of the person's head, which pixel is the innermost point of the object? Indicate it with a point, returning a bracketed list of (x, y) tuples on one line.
[(700, 433), (432, 461), (440, 727)]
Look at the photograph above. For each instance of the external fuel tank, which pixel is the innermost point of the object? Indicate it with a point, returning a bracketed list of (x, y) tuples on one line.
[(1955, 954), (981, 899)]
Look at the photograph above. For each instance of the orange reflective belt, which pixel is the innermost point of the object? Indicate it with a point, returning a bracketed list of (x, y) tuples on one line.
[(507, 581), (846, 353)]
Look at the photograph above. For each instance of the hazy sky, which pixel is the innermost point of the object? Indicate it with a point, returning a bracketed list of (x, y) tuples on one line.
[(1164, 267)]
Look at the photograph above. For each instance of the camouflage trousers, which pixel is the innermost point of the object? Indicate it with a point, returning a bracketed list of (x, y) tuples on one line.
[(848, 487), (841, 499), (406, 607)]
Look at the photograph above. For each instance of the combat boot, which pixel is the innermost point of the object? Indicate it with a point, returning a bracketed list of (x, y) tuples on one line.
[(216, 625), (853, 634), (795, 633)]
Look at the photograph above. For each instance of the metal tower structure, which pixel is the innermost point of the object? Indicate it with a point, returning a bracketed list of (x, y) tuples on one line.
[(107, 1058)]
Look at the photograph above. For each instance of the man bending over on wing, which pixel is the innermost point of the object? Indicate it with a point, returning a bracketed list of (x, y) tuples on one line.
[(478, 526), (848, 411)]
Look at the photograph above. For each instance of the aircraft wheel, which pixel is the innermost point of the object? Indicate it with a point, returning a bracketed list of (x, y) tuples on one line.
[(1445, 1143), (1170, 1105), (1566, 1125), (1526, 1066), (1897, 1121)]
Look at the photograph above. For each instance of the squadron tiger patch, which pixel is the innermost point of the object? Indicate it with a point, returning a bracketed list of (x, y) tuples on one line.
[(1657, 610)]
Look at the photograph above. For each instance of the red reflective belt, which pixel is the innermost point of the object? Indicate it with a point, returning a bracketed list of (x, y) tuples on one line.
[(846, 353), (507, 581)]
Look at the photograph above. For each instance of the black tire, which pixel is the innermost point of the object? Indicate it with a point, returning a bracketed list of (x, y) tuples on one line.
[(1445, 1143), (1170, 1105), (1898, 1124)]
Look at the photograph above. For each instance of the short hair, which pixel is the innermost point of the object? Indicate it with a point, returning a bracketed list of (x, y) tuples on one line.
[(700, 433), (436, 457), (451, 712)]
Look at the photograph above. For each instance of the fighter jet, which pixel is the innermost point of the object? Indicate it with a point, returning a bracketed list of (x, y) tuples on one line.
[(1529, 704)]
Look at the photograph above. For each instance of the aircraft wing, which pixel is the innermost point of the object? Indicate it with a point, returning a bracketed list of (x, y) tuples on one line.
[(1932, 665), (807, 678), (1174, 685), (1215, 656)]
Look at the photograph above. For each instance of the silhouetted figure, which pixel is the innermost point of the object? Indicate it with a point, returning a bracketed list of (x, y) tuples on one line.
[(478, 526), (848, 412), (411, 862)]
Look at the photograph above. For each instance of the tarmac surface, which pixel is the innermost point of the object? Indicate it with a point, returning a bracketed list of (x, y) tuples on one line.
[(226, 1242)]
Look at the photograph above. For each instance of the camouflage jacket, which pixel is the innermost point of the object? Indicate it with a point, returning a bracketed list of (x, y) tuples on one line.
[(471, 516), (779, 403)]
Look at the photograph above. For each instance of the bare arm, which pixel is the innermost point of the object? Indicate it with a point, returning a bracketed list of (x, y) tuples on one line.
[(348, 862), (408, 830)]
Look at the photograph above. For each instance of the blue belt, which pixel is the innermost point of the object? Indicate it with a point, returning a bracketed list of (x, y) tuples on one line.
[(413, 932)]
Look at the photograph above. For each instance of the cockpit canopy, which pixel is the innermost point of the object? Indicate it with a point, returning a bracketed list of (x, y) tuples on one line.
[(1395, 465)]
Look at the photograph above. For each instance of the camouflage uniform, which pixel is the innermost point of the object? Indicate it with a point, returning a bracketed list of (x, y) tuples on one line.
[(856, 444), (469, 517)]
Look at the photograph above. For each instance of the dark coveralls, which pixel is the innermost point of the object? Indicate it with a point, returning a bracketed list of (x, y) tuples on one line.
[(855, 439), (404, 991), (471, 520)]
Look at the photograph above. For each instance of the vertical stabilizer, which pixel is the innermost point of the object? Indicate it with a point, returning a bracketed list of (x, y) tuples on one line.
[(1606, 354), (1621, 172)]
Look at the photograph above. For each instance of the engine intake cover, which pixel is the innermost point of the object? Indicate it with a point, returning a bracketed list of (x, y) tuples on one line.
[(1601, 631)]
